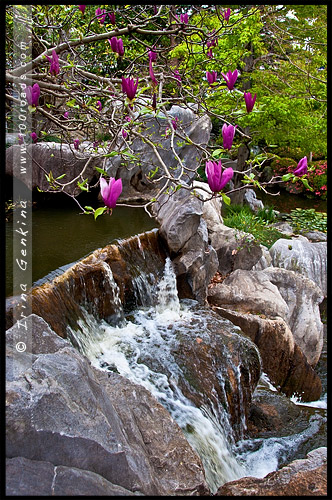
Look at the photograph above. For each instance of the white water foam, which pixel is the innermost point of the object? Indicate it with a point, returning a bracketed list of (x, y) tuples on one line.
[(147, 337)]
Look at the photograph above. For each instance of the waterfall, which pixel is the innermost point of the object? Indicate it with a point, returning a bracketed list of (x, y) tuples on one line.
[(146, 334), (143, 347)]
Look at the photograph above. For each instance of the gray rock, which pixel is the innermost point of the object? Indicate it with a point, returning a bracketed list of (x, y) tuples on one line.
[(315, 236), (36, 478), (303, 317), (304, 477), (250, 199), (235, 249), (302, 256), (135, 174), (284, 228), (277, 292), (59, 410), (186, 237), (56, 157)]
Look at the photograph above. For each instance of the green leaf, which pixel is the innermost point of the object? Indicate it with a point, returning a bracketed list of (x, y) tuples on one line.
[(109, 155), (60, 176), (101, 171), (217, 152), (286, 177), (99, 211), (89, 208), (306, 184), (226, 199)]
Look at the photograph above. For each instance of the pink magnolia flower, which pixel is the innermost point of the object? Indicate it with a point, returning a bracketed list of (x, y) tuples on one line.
[(99, 106), (302, 167), (32, 94), (76, 143), (151, 73), (250, 101), (230, 78), (209, 54), (217, 179), (110, 192), (178, 77), (228, 132), (211, 77), (34, 137), (54, 60), (152, 55), (226, 14), (184, 18), (66, 115), (111, 15), (124, 134), (129, 87), (82, 8), (175, 123), (117, 45), (20, 139), (101, 14)]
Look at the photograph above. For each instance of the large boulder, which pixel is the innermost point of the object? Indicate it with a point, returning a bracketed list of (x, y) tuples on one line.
[(46, 157), (186, 238), (235, 249), (303, 477), (303, 298), (302, 256), (137, 185), (277, 292), (40, 478), (65, 416)]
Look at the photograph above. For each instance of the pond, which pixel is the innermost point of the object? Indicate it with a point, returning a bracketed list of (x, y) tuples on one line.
[(285, 202), (61, 236)]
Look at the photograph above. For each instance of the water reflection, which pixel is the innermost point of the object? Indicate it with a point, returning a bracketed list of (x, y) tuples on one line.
[(61, 236)]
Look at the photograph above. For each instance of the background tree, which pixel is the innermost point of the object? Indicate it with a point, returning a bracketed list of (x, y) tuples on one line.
[(164, 55)]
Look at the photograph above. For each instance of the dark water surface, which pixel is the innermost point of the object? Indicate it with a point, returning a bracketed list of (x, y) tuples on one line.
[(61, 236), (285, 202)]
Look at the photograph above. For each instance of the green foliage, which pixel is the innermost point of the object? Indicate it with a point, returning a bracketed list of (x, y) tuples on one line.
[(290, 152), (304, 220), (242, 218), (266, 214)]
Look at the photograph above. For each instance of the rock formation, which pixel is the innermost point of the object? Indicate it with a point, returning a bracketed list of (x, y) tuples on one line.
[(304, 477), (81, 430)]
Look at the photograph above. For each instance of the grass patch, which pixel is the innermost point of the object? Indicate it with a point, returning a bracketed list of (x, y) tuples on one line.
[(243, 218)]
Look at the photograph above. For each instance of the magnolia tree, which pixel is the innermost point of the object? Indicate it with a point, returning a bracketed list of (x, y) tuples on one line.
[(105, 68)]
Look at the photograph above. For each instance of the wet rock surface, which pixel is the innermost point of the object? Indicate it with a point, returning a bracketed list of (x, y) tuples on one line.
[(62, 411), (88, 283), (218, 369), (40, 478), (303, 477), (186, 237)]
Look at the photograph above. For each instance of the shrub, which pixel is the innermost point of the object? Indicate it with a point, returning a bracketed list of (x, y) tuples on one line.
[(317, 177), (291, 152), (281, 166)]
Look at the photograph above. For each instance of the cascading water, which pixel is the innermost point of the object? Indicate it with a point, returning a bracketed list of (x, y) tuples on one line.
[(142, 346), (148, 330)]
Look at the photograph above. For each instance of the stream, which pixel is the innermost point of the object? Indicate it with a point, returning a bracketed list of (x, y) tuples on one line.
[(141, 346)]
